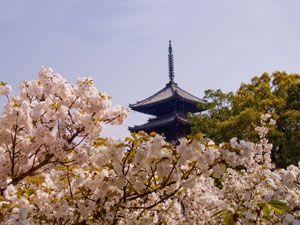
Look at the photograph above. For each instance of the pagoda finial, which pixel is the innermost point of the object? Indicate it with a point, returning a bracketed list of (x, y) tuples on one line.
[(171, 63)]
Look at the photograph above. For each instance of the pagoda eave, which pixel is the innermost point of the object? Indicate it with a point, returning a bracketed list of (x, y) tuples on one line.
[(164, 96), (158, 123), (156, 108)]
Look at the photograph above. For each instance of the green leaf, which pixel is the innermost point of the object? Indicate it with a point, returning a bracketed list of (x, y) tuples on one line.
[(128, 139), (266, 210), (229, 220), (217, 213), (240, 210), (163, 159), (152, 134), (2, 83), (156, 187), (5, 205), (278, 206)]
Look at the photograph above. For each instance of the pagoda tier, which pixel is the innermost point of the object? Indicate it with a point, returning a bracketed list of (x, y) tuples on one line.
[(171, 126), (168, 100), (170, 107)]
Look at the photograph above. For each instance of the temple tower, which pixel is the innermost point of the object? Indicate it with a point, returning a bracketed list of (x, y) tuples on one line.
[(169, 106)]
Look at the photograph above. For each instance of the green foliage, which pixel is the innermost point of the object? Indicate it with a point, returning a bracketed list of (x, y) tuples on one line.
[(266, 210), (228, 216), (236, 115), (229, 219), (278, 206)]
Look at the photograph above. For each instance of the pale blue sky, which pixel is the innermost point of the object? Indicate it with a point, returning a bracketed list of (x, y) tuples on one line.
[(123, 44)]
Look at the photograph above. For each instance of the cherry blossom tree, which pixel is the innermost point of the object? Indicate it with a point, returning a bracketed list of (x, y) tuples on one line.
[(56, 168)]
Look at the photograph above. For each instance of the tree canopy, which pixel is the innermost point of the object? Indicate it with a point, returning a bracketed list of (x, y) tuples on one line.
[(56, 168), (231, 115)]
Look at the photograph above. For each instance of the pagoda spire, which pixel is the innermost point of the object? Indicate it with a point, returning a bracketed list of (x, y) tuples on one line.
[(171, 63)]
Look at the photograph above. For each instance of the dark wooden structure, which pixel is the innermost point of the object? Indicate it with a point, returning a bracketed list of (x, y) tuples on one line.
[(170, 107)]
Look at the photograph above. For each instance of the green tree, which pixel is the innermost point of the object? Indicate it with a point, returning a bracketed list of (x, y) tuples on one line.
[(235, 115)]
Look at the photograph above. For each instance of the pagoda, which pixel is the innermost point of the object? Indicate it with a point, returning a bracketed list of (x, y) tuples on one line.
[(170, 107)]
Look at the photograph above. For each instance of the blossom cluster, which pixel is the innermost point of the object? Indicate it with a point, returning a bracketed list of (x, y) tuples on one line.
[(57, 169)]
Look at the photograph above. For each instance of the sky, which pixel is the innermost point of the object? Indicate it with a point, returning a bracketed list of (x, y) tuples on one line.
[(123, 44)]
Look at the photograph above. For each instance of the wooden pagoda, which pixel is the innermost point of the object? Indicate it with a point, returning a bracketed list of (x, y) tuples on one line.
[(170, 107)]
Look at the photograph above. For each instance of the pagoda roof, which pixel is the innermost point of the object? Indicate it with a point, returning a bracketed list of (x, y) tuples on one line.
[(169, 92), (153, 123)]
